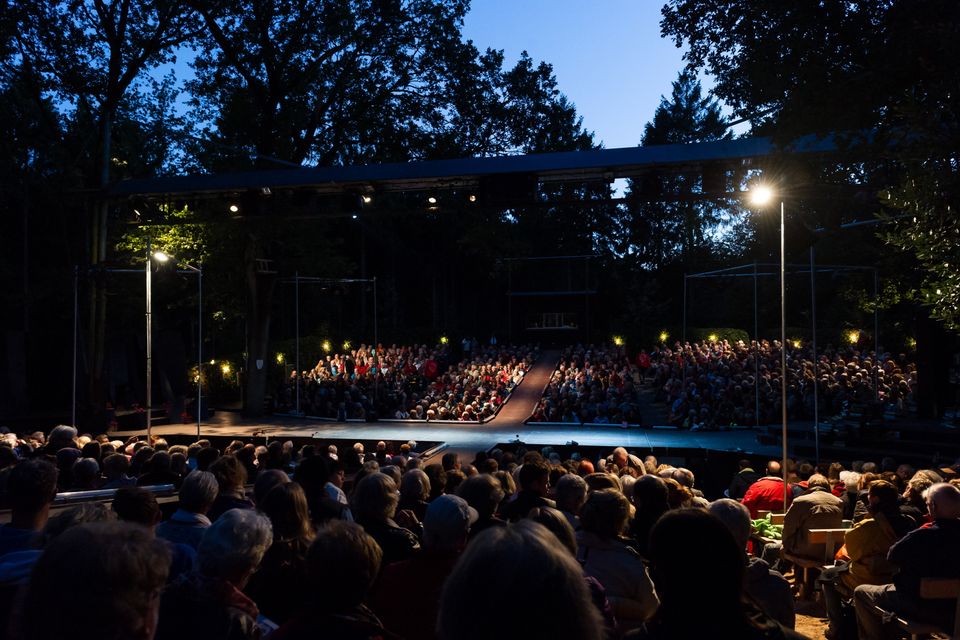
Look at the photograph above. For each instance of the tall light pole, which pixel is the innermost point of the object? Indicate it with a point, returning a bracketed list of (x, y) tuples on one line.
[(760, 196), (149, 319), (162, 257)]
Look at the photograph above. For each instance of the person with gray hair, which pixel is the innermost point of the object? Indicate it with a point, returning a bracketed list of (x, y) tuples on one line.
[(766, 588), (86, 475), (189, 522), (927, 552), (539, 590), (571, 495), (209, 602)]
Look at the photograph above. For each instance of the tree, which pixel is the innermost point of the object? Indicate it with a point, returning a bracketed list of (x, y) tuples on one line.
[(881, 75), (89, 53), (676, 227)]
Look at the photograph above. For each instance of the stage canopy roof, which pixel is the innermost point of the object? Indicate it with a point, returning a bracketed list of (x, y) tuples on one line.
[(571, 166)]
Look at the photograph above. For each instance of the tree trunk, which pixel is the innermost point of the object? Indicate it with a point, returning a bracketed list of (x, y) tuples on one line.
[(260, 287), (98, 254)]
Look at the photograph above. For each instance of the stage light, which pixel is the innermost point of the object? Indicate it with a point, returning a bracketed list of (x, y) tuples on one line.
[(212, 362), (346, 345), (472, 198), (366, 199), (444, 340), (354, 216), (712, 337), (432, 200), (225, 368), (325, 345), (761, 195), (279, 358), (234, 208), (160, 256), (664, 336), (618, 341), (912, 343), (853, 336), (797, 344)]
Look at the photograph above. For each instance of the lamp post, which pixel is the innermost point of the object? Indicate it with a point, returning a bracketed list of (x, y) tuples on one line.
[(762, 195), (161, 257)]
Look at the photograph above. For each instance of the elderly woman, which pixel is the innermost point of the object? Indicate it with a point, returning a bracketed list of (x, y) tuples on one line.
[(189, 521), (374, 504), (606, 557), (484, 493), (208, 602)]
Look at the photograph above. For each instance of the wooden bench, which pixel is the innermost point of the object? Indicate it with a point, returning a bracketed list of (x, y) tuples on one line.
[(930, 589), (806, 570)]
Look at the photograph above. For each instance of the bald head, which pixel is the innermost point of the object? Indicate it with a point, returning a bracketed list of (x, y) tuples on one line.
[(943, 500), (773, 468)]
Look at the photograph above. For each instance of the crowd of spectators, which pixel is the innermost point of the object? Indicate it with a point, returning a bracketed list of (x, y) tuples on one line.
[(283, 543), (409, 383), (711, 384), (592, 385)]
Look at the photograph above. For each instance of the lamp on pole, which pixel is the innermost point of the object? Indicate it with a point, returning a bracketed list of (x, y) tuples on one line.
[(762, 195), (161, 257)]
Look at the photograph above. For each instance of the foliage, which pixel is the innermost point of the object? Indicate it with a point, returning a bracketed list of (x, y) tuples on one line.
[(791, 69)]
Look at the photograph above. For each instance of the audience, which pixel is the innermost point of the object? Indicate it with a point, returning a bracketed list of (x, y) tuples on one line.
[(409, 383), (403, 569)]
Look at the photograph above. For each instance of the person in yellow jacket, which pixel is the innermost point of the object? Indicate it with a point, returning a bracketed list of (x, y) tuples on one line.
[(862, 559)]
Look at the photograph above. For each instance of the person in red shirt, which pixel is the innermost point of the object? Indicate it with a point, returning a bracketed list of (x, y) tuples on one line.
[(766, 494)]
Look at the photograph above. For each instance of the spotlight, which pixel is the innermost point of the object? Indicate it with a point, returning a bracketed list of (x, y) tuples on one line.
[(618, 341), (853, 336), (346, 345), (472, 198), (279, 358), (432, 200), (761, 195), (366, 199), (712, 337), (225, 368), (354, 216), (326, 346), (160, 256), (234, 208), (664, 336), (444, 340)]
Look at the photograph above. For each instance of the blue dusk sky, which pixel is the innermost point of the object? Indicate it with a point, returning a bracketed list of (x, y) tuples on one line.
[(608, 55)]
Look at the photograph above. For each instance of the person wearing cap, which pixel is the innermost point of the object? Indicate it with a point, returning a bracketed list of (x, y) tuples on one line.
[(407, 595)]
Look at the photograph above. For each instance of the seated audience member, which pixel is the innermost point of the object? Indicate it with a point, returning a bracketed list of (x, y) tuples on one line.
[(620, 460), (139, 506), (277, 585), (484, 493), (158, 471), (334, 487), (313, 475), (745, 477), (374, 505), (571, 496), (534, 480), (414, 491), (438, 479), (86, 475), (189, 521), (407, 594), (231, 478), (650, 500), (31, 488), (816, 508), (517, 582), (115, 468), (606, 557), (865, 550), (265, 483), (763, 586), (766, 494), (557, 523), (342, 564), (927, 552), (104, 580), (695, 559), (209, 602)]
